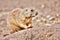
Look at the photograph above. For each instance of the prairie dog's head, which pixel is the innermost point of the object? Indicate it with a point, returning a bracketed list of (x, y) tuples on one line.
[(30, 12)]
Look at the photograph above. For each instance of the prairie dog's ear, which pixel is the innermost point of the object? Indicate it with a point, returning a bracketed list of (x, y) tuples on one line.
[(16, 11)]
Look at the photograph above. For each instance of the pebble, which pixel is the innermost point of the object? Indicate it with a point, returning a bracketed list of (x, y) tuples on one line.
[(42, 6)]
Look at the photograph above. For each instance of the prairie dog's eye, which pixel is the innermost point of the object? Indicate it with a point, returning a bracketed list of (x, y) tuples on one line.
[(32, 10)]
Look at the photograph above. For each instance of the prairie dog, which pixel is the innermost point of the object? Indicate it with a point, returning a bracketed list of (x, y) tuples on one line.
[(19, 19)]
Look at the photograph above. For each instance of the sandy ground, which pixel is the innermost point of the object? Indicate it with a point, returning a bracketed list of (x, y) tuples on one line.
[(40, 33)]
